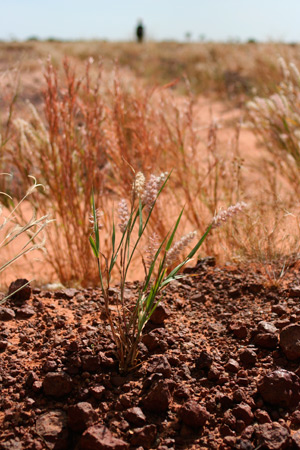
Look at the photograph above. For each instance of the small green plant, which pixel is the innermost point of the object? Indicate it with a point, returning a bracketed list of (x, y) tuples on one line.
[(11, 230), (161, 264)]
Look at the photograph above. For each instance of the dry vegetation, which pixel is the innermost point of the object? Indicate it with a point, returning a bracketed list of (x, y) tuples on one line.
[(89, 123)]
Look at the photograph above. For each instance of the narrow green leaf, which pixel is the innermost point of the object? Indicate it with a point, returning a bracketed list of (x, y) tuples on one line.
[(187, 259), (140, 218), (113, 238), (93, 245), (169, 243), (151, 268), (199, 243)]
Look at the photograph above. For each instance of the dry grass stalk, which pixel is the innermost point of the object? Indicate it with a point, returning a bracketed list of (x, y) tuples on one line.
[(68, 156)]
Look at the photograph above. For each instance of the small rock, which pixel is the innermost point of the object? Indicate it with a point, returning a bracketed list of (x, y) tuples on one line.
[(52, 427), (23, 294), (262, 416), (290, 341), (81, 416), (294, 292), (158, 398), (49, 366), (3, 345), (135, 416), (266, 327), (70, 293), (280, 388), (234, 292), (296, 440), (11, 444), (248, 357), (160, 314), (243, 412), (266, 340), (239, 396), (106, 361), (67, 294), (204, 360), (155, 339), (57, 384), (295, 419), (232, 366), (199, 297), (182, 391), (280, 310), (37, 386), (98, 437), (273, 436), (151, 341), (7, 314), (160, 364), (255, 288), (225, 400), (225, 430), (31, 378), (91, 363), (193, 415), (239, 330), (144, 437), (243, 444), (25, 312), (214, 372), (97, 392)]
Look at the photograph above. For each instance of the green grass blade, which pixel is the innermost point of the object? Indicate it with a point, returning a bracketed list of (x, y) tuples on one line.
[(113, 238), (94, 248), (151, 268), (169, 243), (140, 218), (199, 243)]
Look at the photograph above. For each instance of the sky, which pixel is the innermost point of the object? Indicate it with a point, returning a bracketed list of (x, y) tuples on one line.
[(115, 20)]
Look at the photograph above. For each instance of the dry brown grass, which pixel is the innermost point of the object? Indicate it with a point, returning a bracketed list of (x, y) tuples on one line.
[(92, 124), (233, 71)]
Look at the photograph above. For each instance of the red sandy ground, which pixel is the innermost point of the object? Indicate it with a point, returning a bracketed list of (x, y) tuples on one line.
[(215, 370)]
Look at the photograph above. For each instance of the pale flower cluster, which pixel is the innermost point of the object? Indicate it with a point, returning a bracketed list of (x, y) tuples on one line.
[(175, 251), (99, 215), (153, 246), (224, 215), (124, 215), (152, 187), (139, 184)]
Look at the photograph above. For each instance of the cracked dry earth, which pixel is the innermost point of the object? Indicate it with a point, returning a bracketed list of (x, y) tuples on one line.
[(219, 368)]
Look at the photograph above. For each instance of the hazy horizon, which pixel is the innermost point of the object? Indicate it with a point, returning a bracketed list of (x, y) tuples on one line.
[(217, 20)]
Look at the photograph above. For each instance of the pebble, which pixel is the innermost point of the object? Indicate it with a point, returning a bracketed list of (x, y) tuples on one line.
[(290, 341), (158, 398), (22, 294), (273, 436), (57, 384), (98, 437), (144, 436), (7, 314), (193, 415), (160, 314), (52, 427), (135, 416), (280, 388), (81, 416)]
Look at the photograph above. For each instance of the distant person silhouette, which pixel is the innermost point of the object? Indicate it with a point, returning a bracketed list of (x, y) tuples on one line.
[(140, 31)]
